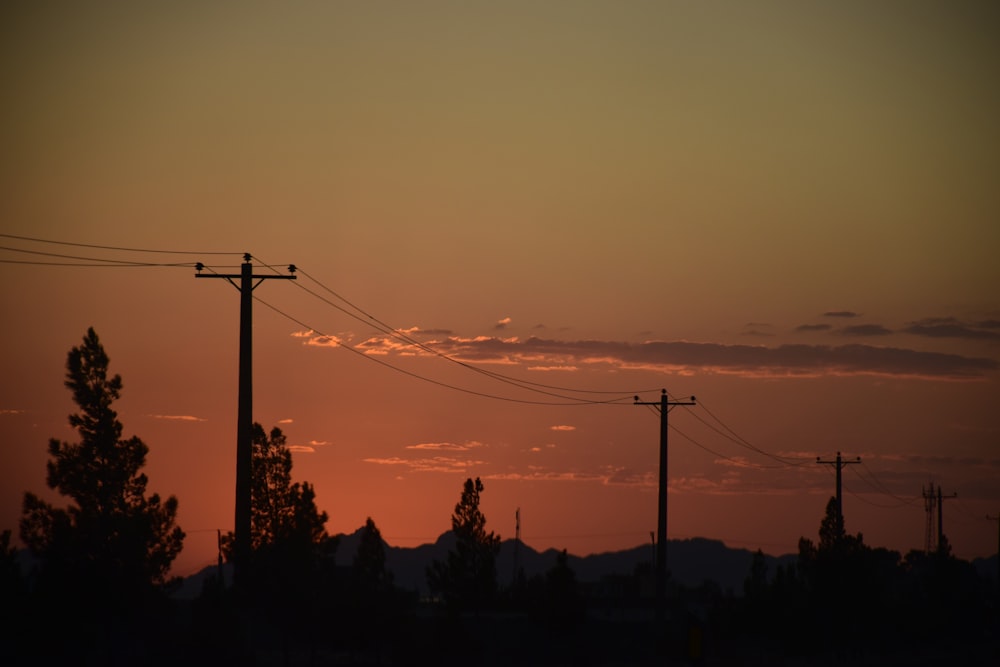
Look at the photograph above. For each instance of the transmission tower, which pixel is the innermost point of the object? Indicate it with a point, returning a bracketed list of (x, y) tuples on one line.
[(244, 417), (929, 506), (934, 504), (940, 513)]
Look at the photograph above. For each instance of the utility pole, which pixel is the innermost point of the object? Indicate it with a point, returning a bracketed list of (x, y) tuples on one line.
[(244, 417), (664, 405), (839, 463), (940, 508)]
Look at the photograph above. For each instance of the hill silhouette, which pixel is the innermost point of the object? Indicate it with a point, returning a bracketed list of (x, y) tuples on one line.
[(690, 561)]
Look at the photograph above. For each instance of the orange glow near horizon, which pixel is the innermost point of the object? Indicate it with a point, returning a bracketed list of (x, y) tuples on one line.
[(508, 221)]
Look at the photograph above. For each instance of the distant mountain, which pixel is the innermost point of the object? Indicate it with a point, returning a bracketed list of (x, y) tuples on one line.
[(690, 562)]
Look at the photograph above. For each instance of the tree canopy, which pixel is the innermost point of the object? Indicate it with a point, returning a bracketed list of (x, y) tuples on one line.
[(111, 538), (469, 577)]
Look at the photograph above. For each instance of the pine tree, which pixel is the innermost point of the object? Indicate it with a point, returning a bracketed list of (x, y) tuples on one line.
[(284, 517), (369, 571), (112, 542), (469, 577)]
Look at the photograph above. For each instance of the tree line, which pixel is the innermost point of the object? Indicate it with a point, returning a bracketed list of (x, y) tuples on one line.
[(98, 587)]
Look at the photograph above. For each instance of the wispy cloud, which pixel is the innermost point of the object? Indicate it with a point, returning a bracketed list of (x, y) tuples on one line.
[(759, 329), (502, 324), (814, 327), (562, 427), (950, 327), (840, 313), (285, 421), (865, 330), (179, 418), (445, 464), (447, 446), (301, 448), (11, 412), (686, 357)]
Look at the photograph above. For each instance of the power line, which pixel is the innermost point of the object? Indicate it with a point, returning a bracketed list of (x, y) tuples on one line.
[(350, 348), (395, 333), (96, 261), (740, 440), (879, 488), (367, 318), (119, 248)]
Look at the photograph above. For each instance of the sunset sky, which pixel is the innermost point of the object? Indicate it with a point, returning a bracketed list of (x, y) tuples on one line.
[(789, 210)]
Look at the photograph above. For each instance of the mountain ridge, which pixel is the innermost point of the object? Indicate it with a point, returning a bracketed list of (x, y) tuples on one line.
[(690, 561)]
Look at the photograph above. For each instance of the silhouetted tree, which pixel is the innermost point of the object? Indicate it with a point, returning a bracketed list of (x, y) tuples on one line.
[(14, 623), (468, 579), (368, 569), (291, 556), (562, 597), (112, 543), (283, 515)]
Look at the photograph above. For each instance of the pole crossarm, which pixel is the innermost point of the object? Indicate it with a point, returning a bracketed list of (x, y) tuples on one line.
[(244, 418), (664, 405)]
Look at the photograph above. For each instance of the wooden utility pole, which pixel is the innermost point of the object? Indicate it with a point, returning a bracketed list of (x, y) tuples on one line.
[(839, 463), (244, 417), (664, 405)]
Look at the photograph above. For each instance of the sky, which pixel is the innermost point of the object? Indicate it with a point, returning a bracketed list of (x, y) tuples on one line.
[(509, 219)]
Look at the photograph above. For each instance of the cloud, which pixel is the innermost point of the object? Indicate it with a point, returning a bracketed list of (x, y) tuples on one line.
[(11, 412), (840, 313), (813, 327), (553, 368), (950, 327), (865, 330), (179, 418), (285, 421), (301, 448), (689, 358), (447, 446), (562, 427), (426, 332), (718, 358), (315, 339), (502, 324), (445, 464)]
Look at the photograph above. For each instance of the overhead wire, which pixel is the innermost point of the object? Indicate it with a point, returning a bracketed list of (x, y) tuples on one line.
[(696, 443), (418, 376), (95, 261), (740, 440), (118, 248), (368, 319), (882, 488)]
